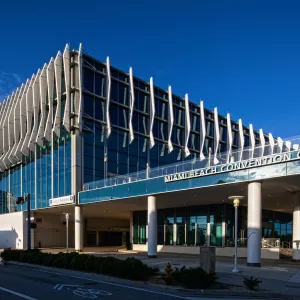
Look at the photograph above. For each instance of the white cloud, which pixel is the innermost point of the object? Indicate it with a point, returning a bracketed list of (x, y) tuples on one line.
[(8, 83)]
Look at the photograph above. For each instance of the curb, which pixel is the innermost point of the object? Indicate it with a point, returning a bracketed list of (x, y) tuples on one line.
[(171, 289)]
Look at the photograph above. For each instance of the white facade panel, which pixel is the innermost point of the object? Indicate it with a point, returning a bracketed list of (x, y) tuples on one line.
[(217, 135), (187, 125), (43, 95), (108, 91), (202, 131), (229, 138), (152, 113), (29, 114), (67, 71), (22, 118), (252, 140), (171, 120), (241, 140), (262, 142), (131, 85), (58, 65), (80, 88), (36, 108), (272, 143), (50, 89)]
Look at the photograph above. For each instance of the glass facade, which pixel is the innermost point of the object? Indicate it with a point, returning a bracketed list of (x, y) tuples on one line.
[(34, 176), (191, 225), (107, 157)]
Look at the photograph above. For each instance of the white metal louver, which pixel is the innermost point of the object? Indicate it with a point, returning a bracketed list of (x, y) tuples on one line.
[(58, 65), (229, 138), (217, 135), (108, 92), (152, 113), (67, 71), (171, 120), (202, 131), (131, 85)]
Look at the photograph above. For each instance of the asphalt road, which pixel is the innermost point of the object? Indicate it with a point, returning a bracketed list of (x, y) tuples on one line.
[(26, 283), (21, 282)]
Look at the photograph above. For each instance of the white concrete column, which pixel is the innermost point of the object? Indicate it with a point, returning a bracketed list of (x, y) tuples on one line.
[(152, 227), (131, 229), (296, 227), (254, 224), (175, 234), (78, 228)]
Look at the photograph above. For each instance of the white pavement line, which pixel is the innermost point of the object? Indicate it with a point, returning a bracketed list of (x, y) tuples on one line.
[(104, 282), (16, 294)]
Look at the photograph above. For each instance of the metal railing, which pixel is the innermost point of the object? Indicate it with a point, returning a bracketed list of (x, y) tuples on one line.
[(197, 163), (265, 242)]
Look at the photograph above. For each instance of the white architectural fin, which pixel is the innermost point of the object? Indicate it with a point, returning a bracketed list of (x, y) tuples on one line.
[(131, 133), (50, 89), (187, 125), (58, 65), (272, 143), (67, 71), (202, 131), (280, 144), (80, 87), (241, 140), (43, 96), (171, 120), (262, 142), (252, 141), (36, 108), (29, 111), (288, 145), (217, 135), (108, 94), (23, 122), (152, 113), (229, 138)]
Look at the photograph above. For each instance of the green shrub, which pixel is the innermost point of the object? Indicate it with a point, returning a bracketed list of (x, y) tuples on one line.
[(194, 278), (78, 262), (110, 266), (129, 268), (132, 268), (68, 257), (251, 283)]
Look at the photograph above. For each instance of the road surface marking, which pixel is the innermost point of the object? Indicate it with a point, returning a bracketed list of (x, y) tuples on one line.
[(16, 294), (104, 282)]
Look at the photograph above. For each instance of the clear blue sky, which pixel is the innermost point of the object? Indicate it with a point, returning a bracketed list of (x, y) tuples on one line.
[(241, 56)]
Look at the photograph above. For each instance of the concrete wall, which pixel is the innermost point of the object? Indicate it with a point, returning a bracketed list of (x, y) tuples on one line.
[(266, 253), (51, 231), (13, 231), (97, 224), (116, 225)]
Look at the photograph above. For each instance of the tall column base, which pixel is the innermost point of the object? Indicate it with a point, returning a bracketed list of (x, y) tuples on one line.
[(78, 229), (296, 228), (152, 227), (254, 224)]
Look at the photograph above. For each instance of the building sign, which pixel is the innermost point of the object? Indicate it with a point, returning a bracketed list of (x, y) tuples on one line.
[(62, 200), (235, 166)]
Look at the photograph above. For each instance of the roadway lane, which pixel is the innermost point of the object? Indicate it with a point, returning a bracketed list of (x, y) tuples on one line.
[(34, 284)]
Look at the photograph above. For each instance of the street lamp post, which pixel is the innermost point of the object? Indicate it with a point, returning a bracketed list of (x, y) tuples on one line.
[(236, 203)]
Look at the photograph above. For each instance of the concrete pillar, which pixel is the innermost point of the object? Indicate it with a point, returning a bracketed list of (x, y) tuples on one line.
[(175, 234), (254, 224), (296, 227), (78, 228), (152, 227)]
